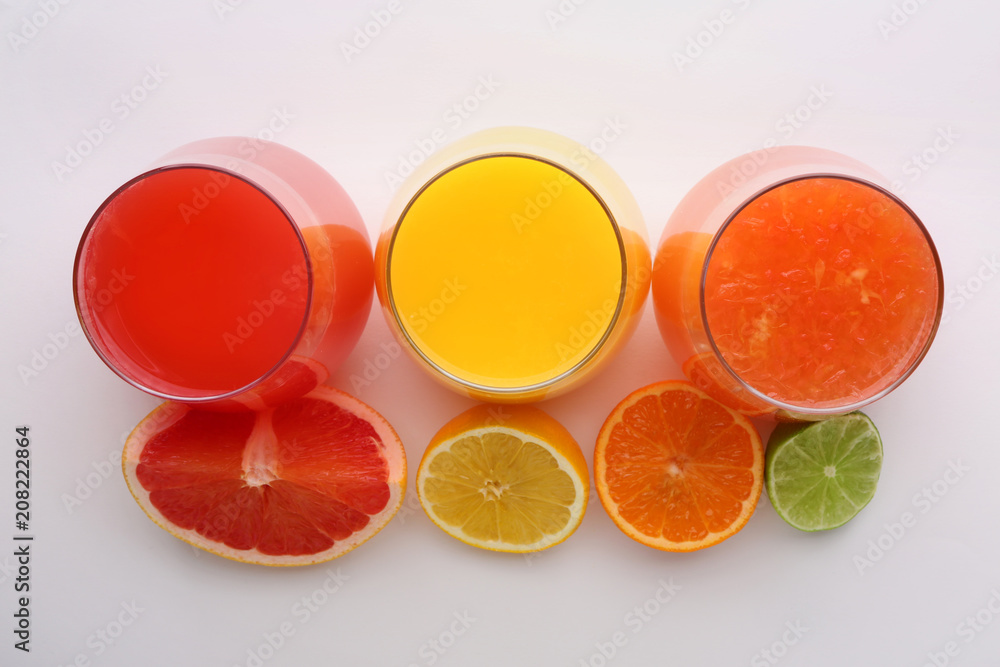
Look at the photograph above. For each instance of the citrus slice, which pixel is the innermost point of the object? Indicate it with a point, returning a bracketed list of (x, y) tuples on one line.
[(505, 478), (677, 470), (300, 483), (820, 475)]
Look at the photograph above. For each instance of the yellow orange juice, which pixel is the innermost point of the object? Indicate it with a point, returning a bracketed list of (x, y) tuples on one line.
[(510, 272)]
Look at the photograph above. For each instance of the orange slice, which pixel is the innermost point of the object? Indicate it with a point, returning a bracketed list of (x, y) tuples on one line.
[(507, 478), (677, 470), (300, 483)]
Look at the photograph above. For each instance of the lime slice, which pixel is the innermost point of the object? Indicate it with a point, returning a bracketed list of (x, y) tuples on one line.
[(820, 475)]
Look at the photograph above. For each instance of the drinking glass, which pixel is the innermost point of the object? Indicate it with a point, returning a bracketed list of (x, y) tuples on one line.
[(793, 281), (234, 273), (513, 265)]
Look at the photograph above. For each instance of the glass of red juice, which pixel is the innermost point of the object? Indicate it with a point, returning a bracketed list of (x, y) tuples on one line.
[(792, 282), (236, 273)]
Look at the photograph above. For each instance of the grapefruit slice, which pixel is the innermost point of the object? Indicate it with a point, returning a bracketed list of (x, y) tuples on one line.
[(296, 484), (676, 470)]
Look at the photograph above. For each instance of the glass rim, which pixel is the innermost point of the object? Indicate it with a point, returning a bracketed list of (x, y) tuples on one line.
[(840, 408), (521, 389), (82, 307)]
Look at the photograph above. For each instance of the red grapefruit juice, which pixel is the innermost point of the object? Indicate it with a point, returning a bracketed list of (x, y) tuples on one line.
[(193, 282)]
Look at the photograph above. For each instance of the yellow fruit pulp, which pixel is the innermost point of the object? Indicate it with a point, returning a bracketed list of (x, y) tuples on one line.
[(515, 488)]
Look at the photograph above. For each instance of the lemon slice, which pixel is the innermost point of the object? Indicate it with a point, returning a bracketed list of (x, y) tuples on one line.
[(507, 478)]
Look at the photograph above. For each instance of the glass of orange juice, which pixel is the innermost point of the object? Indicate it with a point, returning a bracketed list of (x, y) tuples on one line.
[(513, 264), (793, 281), (234, 273)]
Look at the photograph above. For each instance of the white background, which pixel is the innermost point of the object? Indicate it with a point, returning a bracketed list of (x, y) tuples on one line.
[(890, 94)]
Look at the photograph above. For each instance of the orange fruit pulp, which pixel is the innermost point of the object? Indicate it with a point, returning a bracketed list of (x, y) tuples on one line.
[(677, 470), (299, 483)]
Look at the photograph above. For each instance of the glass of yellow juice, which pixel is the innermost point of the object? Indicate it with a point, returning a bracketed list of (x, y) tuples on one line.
[(513, 264)]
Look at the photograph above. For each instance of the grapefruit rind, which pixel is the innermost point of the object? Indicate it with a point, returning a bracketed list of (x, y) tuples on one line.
[(661, 543), (170, 413)]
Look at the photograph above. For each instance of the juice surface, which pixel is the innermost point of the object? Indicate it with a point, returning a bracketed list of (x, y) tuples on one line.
[(195, 282), (506, 271), (822, 291)]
